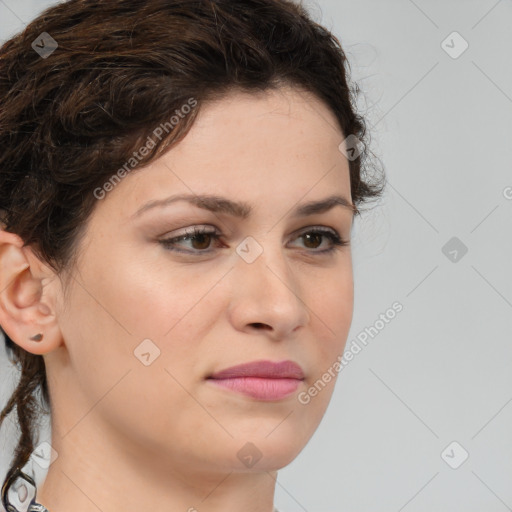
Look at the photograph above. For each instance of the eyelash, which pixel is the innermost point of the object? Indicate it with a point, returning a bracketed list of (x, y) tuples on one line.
[(168, 243)]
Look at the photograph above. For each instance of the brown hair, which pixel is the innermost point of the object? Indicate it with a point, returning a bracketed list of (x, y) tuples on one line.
[(122, 67)]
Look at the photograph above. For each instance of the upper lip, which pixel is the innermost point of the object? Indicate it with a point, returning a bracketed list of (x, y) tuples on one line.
[(262, 369)]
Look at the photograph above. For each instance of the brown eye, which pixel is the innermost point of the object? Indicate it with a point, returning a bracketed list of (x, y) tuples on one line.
[(203, 239), (314, 237), (200, 238)]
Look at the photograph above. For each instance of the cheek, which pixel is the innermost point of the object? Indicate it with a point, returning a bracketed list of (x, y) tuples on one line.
[(331, 308), (136, 301), (115, 383), (331, 318), (145, 296)]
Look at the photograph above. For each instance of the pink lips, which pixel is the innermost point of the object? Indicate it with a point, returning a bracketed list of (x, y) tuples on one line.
[(263, 380)]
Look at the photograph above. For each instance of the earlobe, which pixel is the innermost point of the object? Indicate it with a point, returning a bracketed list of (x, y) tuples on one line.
[(26, 313)]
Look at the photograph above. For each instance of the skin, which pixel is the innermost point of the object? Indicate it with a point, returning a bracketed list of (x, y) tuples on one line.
[(160, 437)]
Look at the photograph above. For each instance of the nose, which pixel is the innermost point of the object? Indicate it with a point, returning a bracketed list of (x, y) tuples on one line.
[(267, 295)]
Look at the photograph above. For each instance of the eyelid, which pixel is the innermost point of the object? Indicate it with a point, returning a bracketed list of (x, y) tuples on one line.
[(191, 231), (315, 227), (211, 229)]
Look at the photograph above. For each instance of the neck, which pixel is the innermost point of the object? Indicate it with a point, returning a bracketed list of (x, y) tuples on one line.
[(99, 477)]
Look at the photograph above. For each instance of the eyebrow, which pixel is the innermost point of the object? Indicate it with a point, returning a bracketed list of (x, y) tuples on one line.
[(243, 210)]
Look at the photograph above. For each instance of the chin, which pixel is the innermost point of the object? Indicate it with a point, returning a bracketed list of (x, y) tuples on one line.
[(271, 452)]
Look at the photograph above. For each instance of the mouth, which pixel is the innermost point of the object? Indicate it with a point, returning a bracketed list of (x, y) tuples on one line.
[(262, 380)]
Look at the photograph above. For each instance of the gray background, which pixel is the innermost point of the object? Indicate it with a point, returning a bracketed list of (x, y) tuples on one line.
[(440, 371)]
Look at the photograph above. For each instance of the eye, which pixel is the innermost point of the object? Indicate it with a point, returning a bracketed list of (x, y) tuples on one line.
[(313, 236), (202, 235)]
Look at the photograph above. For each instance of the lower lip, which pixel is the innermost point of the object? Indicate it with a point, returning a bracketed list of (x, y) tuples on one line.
[(258, 387)]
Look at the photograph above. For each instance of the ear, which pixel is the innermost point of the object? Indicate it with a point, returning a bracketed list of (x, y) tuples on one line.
[(27, 296)]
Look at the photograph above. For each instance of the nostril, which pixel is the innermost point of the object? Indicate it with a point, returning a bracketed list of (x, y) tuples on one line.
[(258, 324)]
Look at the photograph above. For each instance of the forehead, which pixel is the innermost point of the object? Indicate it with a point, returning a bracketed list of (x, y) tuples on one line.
[(285, 117), (260, 147)]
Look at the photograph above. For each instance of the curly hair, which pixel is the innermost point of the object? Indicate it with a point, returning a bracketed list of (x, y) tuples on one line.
[(120, 68)]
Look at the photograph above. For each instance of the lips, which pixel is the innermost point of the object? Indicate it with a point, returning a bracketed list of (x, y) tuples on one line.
[(262, 369), (260, 380)]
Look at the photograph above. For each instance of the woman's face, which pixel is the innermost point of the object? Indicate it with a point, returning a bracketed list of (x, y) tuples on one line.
[(144, 324)]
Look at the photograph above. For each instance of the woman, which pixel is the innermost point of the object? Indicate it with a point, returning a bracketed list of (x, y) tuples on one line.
[(179, 180)]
